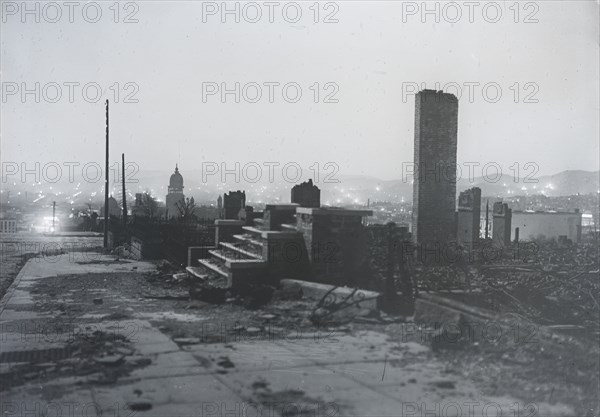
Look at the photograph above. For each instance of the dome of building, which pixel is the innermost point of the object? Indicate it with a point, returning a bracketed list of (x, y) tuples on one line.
[(176, 181)]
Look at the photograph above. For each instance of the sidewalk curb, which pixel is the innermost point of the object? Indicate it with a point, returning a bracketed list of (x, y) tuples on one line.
[(13, 286)]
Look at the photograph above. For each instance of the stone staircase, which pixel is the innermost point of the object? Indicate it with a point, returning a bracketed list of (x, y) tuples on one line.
[(249, 257), (231, 264), (285, 241)]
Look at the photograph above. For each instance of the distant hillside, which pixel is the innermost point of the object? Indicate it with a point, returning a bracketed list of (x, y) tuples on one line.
[(561, 184)]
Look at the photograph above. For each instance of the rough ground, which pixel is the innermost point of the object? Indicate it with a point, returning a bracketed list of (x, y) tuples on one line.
[(126, 338)]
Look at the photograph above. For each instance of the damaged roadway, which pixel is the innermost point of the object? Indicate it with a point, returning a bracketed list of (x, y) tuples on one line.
[(118, 336)]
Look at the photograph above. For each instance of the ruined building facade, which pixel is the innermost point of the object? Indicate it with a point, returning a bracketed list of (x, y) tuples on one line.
[(502, 224), (306, 195), (434, 187), (233, 203), (468, 216), (551, 225)]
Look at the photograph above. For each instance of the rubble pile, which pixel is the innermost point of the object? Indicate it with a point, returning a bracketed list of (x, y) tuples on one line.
[(546, 281), (377, 245), (560, 284), (441, 278)]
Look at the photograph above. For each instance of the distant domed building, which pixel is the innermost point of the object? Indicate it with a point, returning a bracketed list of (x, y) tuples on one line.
[(175, 194)]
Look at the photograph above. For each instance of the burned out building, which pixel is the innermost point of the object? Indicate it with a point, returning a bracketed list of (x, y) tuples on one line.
[(233, 202), (434, 187), (548, 224), (468, 216), (306, 195), (336, 242), (501, 225), (327, 245)]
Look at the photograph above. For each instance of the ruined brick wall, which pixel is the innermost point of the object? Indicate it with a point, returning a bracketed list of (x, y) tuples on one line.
[(501, 226), (306, 195), (336, 245), (547, 224), (434, 189), (507, 226), (274, 216), (232, 203), (468, 216)]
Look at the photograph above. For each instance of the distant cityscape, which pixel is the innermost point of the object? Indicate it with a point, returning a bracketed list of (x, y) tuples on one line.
[(390, 201)]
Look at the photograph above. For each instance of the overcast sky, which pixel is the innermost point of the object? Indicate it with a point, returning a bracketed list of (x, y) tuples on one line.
[(369, 55)]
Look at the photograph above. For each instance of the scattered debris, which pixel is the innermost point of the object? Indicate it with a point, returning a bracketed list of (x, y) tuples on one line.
[(123, 251), (330, 311), (109, 360), (208, 293), (444, 384), (165, 266), (180, 277), (168, 297), (186, 340), (225, 362), (116, 316), (258, 296), (291, 291), (139, 406), (304, 405)]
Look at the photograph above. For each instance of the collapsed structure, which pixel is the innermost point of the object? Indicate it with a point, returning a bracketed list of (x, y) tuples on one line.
[(437, 221), (549, 224), (501, 225), (320, 244), (468, 216), (233, 203), (306, 195), (328, 244)]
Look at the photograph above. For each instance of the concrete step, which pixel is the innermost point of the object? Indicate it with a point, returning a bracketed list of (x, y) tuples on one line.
[(242, 250), (290, 227), (215, 264), (259, 234), (206, 277), (253, 231), (248, 238), (198, 272), (229, 253)]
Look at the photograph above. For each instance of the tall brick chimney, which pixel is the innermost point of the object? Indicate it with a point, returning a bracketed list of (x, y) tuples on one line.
[(434, 189)]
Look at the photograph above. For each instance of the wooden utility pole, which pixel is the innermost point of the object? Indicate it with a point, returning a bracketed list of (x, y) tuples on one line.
[(106, 213), (124, 194)]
